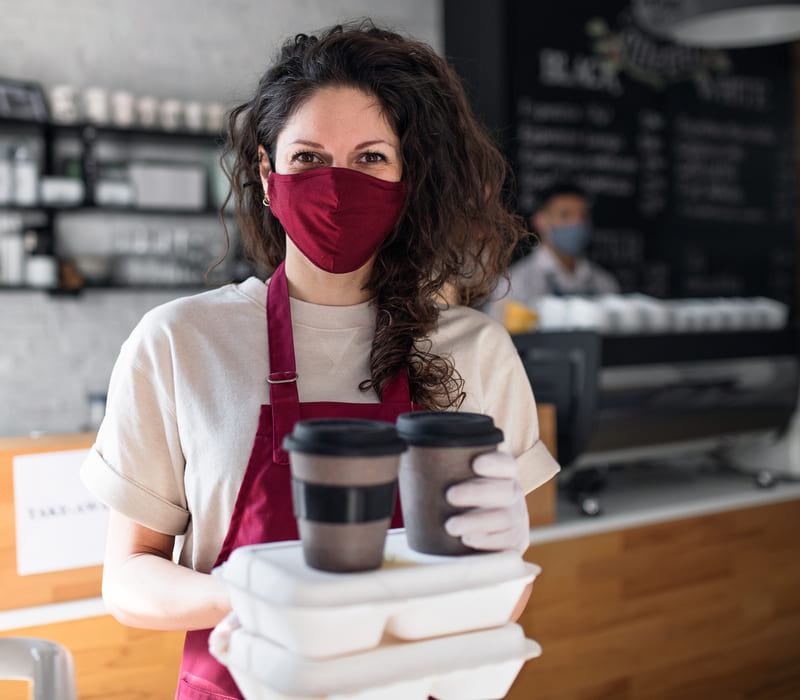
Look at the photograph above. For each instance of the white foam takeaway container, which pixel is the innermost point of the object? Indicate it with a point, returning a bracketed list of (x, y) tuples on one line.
[(478, 665), (412, 596)]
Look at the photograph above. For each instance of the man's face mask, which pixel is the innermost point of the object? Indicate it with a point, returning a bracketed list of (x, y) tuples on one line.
[(571, 239)]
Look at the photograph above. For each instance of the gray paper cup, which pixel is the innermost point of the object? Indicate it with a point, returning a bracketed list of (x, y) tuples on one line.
[(441, 447), (344, 483)]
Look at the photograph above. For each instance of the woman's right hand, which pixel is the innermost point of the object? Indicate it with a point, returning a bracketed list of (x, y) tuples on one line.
[(220, 636)]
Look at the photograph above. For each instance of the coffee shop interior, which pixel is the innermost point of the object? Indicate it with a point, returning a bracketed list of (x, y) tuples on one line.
[(669, 543)]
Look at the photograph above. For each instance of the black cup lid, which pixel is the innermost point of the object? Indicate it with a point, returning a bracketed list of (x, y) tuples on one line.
[(448, 429), (344, 437)]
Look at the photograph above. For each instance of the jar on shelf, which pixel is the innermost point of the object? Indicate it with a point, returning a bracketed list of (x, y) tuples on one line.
[(25, 171), (6, 177), (12, 252)]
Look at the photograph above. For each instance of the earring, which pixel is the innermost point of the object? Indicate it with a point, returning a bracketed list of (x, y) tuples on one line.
[(265, 201)]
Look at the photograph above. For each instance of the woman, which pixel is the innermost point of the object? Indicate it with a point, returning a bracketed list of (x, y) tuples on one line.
[(363, 179)]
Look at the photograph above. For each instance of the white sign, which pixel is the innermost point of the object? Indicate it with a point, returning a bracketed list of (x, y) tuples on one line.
[(60, 525)]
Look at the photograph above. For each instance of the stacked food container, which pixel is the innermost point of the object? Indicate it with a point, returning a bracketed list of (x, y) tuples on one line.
[(418, 626)]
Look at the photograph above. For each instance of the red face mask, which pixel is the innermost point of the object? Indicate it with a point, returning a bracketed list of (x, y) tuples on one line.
[(337, 217)]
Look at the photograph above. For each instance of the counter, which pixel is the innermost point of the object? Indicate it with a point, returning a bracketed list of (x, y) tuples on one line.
[(689, 578), (688, 586), (645, 494), (634, 497), (66, 607)]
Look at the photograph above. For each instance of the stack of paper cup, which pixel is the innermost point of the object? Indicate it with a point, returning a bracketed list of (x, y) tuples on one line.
[(420, 625)]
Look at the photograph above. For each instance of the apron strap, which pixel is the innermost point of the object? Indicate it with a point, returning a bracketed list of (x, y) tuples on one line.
[(282, 377)]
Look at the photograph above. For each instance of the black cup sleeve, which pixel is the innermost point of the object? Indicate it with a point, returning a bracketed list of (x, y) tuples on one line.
[(343, 504)]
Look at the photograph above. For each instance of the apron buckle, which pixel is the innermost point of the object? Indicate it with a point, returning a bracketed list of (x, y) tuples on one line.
[(282, 378)]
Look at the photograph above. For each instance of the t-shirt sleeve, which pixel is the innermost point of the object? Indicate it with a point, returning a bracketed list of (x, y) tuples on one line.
[(508, 397), (136, 464)]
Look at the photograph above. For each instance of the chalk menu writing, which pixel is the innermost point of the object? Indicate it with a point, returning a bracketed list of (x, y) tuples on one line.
[(687, 153)]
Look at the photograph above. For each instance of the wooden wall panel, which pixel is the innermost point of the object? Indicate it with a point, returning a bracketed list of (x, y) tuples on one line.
[(36, 589), (705, 608)]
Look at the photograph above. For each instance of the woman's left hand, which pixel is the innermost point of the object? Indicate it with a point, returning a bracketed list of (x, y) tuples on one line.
[(499, 519)]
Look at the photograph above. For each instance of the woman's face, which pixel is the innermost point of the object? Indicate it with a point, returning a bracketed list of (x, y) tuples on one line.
[(340, 127)]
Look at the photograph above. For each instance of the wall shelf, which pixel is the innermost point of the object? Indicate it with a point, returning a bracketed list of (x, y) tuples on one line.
[(58, 154)]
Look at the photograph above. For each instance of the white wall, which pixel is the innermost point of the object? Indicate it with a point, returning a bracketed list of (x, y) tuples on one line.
[(203, 49), (54, 351)]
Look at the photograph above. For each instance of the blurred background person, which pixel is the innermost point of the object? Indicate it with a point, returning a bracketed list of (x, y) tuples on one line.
[(558, 264)]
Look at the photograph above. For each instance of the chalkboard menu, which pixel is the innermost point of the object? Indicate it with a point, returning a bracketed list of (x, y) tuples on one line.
[(687, 153)]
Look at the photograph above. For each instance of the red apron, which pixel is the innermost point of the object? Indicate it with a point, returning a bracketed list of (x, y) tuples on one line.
[(263, 510)]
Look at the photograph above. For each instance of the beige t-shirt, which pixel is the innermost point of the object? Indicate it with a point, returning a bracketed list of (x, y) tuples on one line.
[(187, 387)]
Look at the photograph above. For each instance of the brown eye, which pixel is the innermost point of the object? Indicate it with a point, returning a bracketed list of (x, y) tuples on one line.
[(305, 157)]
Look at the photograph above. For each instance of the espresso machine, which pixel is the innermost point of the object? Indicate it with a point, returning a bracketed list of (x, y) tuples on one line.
[(626, 398)]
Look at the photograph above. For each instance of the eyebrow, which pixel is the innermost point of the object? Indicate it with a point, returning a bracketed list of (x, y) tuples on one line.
[(364, 144), (367, 144)]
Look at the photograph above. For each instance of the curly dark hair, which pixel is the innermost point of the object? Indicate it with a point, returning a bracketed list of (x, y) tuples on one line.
[(457, 229)]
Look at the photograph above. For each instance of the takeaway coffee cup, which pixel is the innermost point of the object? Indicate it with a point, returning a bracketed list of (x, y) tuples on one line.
[(441, 447), (344, 484)]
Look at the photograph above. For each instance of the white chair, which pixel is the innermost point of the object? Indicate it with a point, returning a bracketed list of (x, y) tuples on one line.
[(47, 664)]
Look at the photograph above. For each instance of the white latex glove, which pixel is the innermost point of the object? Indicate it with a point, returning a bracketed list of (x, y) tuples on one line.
[(220, 636), (500, 516)]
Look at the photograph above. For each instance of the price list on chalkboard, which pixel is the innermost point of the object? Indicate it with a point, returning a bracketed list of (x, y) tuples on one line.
[(686, 153)]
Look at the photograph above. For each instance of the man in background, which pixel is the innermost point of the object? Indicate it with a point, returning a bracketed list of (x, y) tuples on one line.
[(558, 265)]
